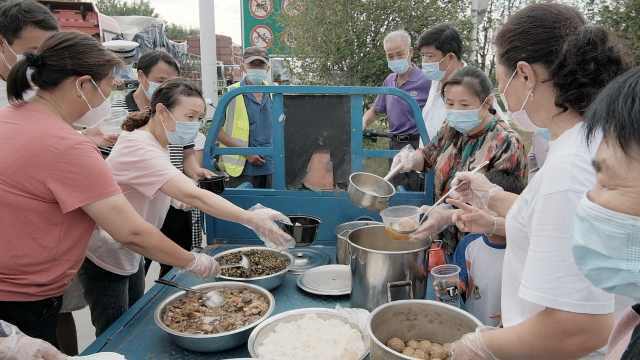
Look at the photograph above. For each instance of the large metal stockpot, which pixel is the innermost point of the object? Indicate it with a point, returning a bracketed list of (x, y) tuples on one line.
[(342, 233), (416, 319), (215, 342), (384, 269)]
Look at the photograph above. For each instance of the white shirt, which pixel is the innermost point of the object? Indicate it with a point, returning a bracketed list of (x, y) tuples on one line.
[(141, 166), (539, 270), (434, 111)]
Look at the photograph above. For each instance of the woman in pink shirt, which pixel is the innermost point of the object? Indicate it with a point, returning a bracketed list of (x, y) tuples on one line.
[(111, 275), (55, 187)]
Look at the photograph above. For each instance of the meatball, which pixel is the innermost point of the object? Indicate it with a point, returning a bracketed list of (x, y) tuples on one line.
[(396, 344)]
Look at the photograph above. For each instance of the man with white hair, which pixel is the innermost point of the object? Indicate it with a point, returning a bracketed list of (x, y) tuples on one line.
[(405, 76)]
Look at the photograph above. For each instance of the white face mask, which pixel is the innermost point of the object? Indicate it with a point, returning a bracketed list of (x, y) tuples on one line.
[(520, 117), (96, 115), (153, 86), (17, 56)]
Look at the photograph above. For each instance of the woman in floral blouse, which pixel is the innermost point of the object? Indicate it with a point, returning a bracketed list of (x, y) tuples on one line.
[(471, 135)]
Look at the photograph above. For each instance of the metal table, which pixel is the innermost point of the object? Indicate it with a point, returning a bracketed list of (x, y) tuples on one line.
[(136, 336)]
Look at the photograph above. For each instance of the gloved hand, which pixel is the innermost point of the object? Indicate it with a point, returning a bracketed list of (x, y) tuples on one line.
[(470, 219), (263, 222), (472, 347), (437, 221), (204, 266), (18, 346), (408, 160), (473, 188)]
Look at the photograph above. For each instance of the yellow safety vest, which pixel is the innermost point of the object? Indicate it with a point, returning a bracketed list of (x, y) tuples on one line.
[(236, 126)]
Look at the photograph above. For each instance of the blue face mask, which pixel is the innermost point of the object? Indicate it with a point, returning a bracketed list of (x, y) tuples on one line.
[(399, 66), (256, 76), (153, 86), (544, 133), (606, 248), (463, 120), (432, 71), (185, 133)]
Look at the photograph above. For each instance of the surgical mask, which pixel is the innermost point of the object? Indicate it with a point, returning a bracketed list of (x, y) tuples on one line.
[(463, 120), (432, 71), (96, 115), (256, 76), (520, 117), (606, 248), (399, 66), (18, 57), (151, 89), (185, 133), (543, 133)]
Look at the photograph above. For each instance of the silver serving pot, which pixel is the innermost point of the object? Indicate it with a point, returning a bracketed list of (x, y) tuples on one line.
[(342, 233), (216, 342), (416, 319), (268, 282), (370, 191), (383, 269)]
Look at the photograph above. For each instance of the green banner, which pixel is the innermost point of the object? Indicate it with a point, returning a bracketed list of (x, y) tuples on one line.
[(260, 26)]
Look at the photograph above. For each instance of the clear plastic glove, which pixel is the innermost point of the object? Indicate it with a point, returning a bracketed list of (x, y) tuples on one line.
[(473, 188), (180, 205), (470, 219), (438, 220), (18, 346), (204, 266), (472, 347), (408, 159), (263, 223)]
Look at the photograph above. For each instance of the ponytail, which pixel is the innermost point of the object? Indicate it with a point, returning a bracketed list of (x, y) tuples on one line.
[(590, 59), (136, 120), (18, 82)]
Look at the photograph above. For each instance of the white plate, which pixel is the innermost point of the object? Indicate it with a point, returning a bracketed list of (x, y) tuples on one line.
[(332, 280)]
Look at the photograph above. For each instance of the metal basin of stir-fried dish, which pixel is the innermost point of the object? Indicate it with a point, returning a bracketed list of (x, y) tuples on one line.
[(195, 326), (267, 268)]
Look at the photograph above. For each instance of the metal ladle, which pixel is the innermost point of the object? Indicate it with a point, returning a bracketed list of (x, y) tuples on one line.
[(211, 298), (244, 263)]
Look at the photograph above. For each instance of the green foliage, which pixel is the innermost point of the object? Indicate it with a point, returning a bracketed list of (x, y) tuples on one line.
[(126, 8), (623, 17), (340, 41), (180, 33)]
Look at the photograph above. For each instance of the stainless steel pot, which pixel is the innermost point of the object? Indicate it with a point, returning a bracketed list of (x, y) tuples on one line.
[(370, 191), (268, 282), (416, 319), (383, 269), (342, 233), (216, 342)]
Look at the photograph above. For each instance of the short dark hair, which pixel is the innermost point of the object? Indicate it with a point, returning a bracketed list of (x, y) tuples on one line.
[(615, 112), (471, 78), (63, 55), (444, 37), (16, 15), (168, 94), (507, 180), (580, 59), (149, 60)]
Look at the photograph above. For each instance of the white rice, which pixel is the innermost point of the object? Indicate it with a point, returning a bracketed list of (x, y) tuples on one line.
[(311, 337)]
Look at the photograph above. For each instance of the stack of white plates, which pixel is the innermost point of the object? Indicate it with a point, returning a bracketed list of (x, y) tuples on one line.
[(331, 280)]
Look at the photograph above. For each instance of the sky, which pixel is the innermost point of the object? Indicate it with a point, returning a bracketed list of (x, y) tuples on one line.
[(185, 13)]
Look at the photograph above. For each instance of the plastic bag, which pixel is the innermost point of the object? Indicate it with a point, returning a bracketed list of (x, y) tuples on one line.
[(358, 317)]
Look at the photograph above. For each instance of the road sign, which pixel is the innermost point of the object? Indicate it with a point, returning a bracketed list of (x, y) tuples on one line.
[(260, 26)]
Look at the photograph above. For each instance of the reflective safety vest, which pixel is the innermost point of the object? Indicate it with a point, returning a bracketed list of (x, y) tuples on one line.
[(237, 127)]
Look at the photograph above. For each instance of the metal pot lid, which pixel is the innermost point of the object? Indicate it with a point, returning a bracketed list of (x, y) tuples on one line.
[(327, 280), (307, 258)]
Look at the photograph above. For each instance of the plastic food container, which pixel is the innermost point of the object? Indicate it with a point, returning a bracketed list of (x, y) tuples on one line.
[(402, 219)]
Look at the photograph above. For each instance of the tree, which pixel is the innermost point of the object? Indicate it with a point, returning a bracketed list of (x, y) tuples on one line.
[(340, 41), (177, 32), (623, 17), (126, 8)]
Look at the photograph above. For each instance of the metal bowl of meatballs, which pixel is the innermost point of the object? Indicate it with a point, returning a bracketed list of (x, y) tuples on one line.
[(196, 323)]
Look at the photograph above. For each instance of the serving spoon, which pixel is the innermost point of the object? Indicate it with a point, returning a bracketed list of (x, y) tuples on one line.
[(212, 298)]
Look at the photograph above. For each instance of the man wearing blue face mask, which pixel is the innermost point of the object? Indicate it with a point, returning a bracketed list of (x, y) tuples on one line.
[(441, 51), (248, 123), (606, 232), (405, 76)]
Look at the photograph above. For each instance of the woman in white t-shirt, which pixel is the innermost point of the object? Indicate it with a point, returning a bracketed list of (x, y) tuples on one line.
[(550, 66), (111, 275)]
